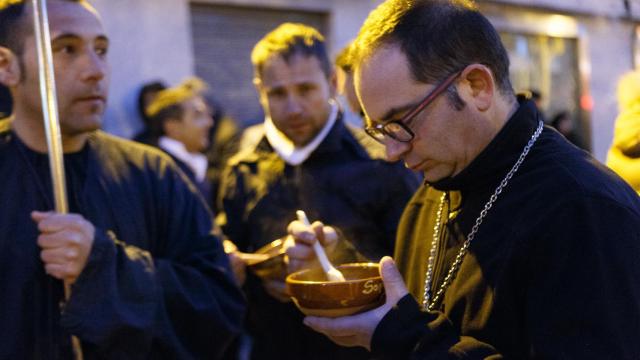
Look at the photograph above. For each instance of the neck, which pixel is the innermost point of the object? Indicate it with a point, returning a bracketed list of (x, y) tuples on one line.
[(31, 131), (486, 127), (507, 106), (503, 110), (172, 144)]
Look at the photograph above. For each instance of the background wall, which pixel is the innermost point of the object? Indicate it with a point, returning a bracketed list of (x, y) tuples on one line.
[(154, 40), (149, 40)]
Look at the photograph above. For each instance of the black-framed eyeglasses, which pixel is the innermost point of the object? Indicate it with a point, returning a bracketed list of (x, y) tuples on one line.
[(399, 129)]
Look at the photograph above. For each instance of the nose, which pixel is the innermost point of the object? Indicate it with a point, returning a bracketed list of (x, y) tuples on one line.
[(396, 150), (95, 67), (209, 121), (293, 105)]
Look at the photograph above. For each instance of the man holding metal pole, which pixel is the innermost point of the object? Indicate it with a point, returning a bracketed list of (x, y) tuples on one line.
[(148, 278)]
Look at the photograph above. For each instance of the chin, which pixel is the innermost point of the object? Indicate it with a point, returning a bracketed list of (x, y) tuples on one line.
[(298, 140), (81, 125), (434, 175)]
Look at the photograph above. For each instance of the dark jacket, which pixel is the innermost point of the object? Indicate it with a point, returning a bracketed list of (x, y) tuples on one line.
[(553, 272), (157, 283), (203, 187), (340, 184)]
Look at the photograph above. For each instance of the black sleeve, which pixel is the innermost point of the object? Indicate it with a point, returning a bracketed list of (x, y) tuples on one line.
[(114, 301), (178, 300), (406, 332)]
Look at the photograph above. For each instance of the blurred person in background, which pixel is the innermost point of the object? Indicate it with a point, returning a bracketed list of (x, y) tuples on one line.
[(224, 139), (624, 153), (563, 122), (344, 80), (146, 94), (183, 121)]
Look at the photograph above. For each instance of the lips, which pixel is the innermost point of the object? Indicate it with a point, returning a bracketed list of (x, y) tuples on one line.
[(92, 98), (416, 167), (298, 126)]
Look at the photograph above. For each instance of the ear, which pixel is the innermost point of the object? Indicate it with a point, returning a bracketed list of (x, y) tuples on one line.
[(262, 94), (257, 83), (9, 68), (478, 86)]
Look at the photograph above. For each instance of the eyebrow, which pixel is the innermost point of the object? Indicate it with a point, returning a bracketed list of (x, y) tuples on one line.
[(439, 89), (71, 36)]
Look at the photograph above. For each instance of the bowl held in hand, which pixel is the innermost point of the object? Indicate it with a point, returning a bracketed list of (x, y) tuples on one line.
[(315, 295)]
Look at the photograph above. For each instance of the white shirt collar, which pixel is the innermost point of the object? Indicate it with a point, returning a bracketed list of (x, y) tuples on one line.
[(196, 161), (286, 149)]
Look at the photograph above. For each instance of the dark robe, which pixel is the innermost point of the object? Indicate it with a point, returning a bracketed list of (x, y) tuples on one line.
[(552, 273), (157, 283), (204, 186)]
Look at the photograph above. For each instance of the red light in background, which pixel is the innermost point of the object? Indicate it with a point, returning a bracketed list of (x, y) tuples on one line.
[(586, 102)]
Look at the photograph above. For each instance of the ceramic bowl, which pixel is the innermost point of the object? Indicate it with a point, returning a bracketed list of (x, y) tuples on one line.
[(314, 295), (273, 266)]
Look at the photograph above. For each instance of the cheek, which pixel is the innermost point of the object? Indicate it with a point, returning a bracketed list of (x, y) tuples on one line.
[(274, 106), (434, 137)]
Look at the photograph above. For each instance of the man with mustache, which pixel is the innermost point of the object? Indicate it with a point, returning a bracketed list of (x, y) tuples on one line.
[(309, 159), (148, 277)]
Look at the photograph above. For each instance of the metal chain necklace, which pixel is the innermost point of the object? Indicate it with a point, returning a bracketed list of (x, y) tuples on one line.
[(427, 302)]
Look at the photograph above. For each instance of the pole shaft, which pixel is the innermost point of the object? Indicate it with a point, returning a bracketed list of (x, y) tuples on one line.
[(52, 125)]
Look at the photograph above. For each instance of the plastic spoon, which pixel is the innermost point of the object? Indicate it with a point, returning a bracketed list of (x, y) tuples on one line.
[(332, 273)]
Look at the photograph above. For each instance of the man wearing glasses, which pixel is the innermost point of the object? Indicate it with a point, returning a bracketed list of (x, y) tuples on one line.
[(519, 245)]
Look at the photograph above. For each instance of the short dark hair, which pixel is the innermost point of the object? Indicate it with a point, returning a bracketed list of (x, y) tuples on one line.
[(287, 40), (559, 117), (157, 121), (149, 88), (13, 28), (439, 37), (535, 94)]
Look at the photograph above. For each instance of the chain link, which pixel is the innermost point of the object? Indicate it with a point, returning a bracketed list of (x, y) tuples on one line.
[(427, 302)]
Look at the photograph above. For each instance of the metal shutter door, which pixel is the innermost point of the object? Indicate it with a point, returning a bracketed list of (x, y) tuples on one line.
[(223, 39)]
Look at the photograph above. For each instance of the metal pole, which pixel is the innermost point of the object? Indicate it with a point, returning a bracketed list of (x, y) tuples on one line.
[(51, 124)]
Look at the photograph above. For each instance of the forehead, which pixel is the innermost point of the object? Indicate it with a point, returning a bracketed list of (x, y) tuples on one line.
[(69, 17), (299, 69), (383, 81)]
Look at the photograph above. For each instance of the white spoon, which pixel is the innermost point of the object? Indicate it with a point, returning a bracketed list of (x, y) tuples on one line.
[(332, 273)]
